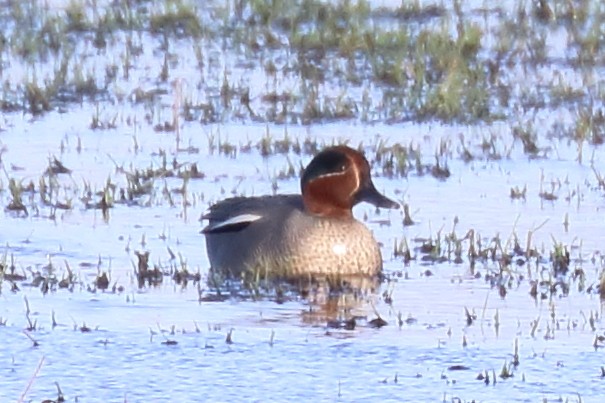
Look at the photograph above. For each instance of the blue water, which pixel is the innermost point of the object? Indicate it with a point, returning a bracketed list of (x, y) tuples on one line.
[(286, 352)]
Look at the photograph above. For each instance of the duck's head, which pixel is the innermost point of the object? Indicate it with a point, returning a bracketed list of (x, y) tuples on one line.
[(336, 180)]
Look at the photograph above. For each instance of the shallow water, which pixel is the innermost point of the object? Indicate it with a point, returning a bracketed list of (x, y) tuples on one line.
[(120, 360), (170, 342)]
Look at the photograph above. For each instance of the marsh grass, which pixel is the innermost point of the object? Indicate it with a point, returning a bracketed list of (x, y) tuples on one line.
[(340, 61), (343, 60), (503, 263)]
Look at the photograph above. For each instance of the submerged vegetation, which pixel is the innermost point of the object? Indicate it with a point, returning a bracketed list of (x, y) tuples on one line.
[(177, 62), (510, 86), (319, 62), (313, 61)]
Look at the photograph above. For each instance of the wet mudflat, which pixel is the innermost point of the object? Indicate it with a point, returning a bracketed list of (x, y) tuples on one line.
[(121, 123)]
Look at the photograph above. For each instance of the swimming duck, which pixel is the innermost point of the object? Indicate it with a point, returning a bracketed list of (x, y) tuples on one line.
[(301, 236)]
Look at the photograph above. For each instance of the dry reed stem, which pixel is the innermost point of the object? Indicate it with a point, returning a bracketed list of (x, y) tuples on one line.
[(31, 380)]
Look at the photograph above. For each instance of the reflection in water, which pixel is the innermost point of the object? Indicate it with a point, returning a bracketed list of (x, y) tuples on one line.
[(346, 306), (338, 303), (470, 299)]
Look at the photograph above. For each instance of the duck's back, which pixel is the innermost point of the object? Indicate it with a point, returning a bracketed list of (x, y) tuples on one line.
[(240, 228)]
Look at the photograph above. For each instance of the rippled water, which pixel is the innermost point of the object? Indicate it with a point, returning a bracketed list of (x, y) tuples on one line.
[(162, 343), (120, 359)]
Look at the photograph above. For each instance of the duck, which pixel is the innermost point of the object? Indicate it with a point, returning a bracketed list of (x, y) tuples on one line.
[(301, 236)]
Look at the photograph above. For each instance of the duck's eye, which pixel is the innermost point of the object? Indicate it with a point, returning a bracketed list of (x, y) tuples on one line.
[(342, 168)]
